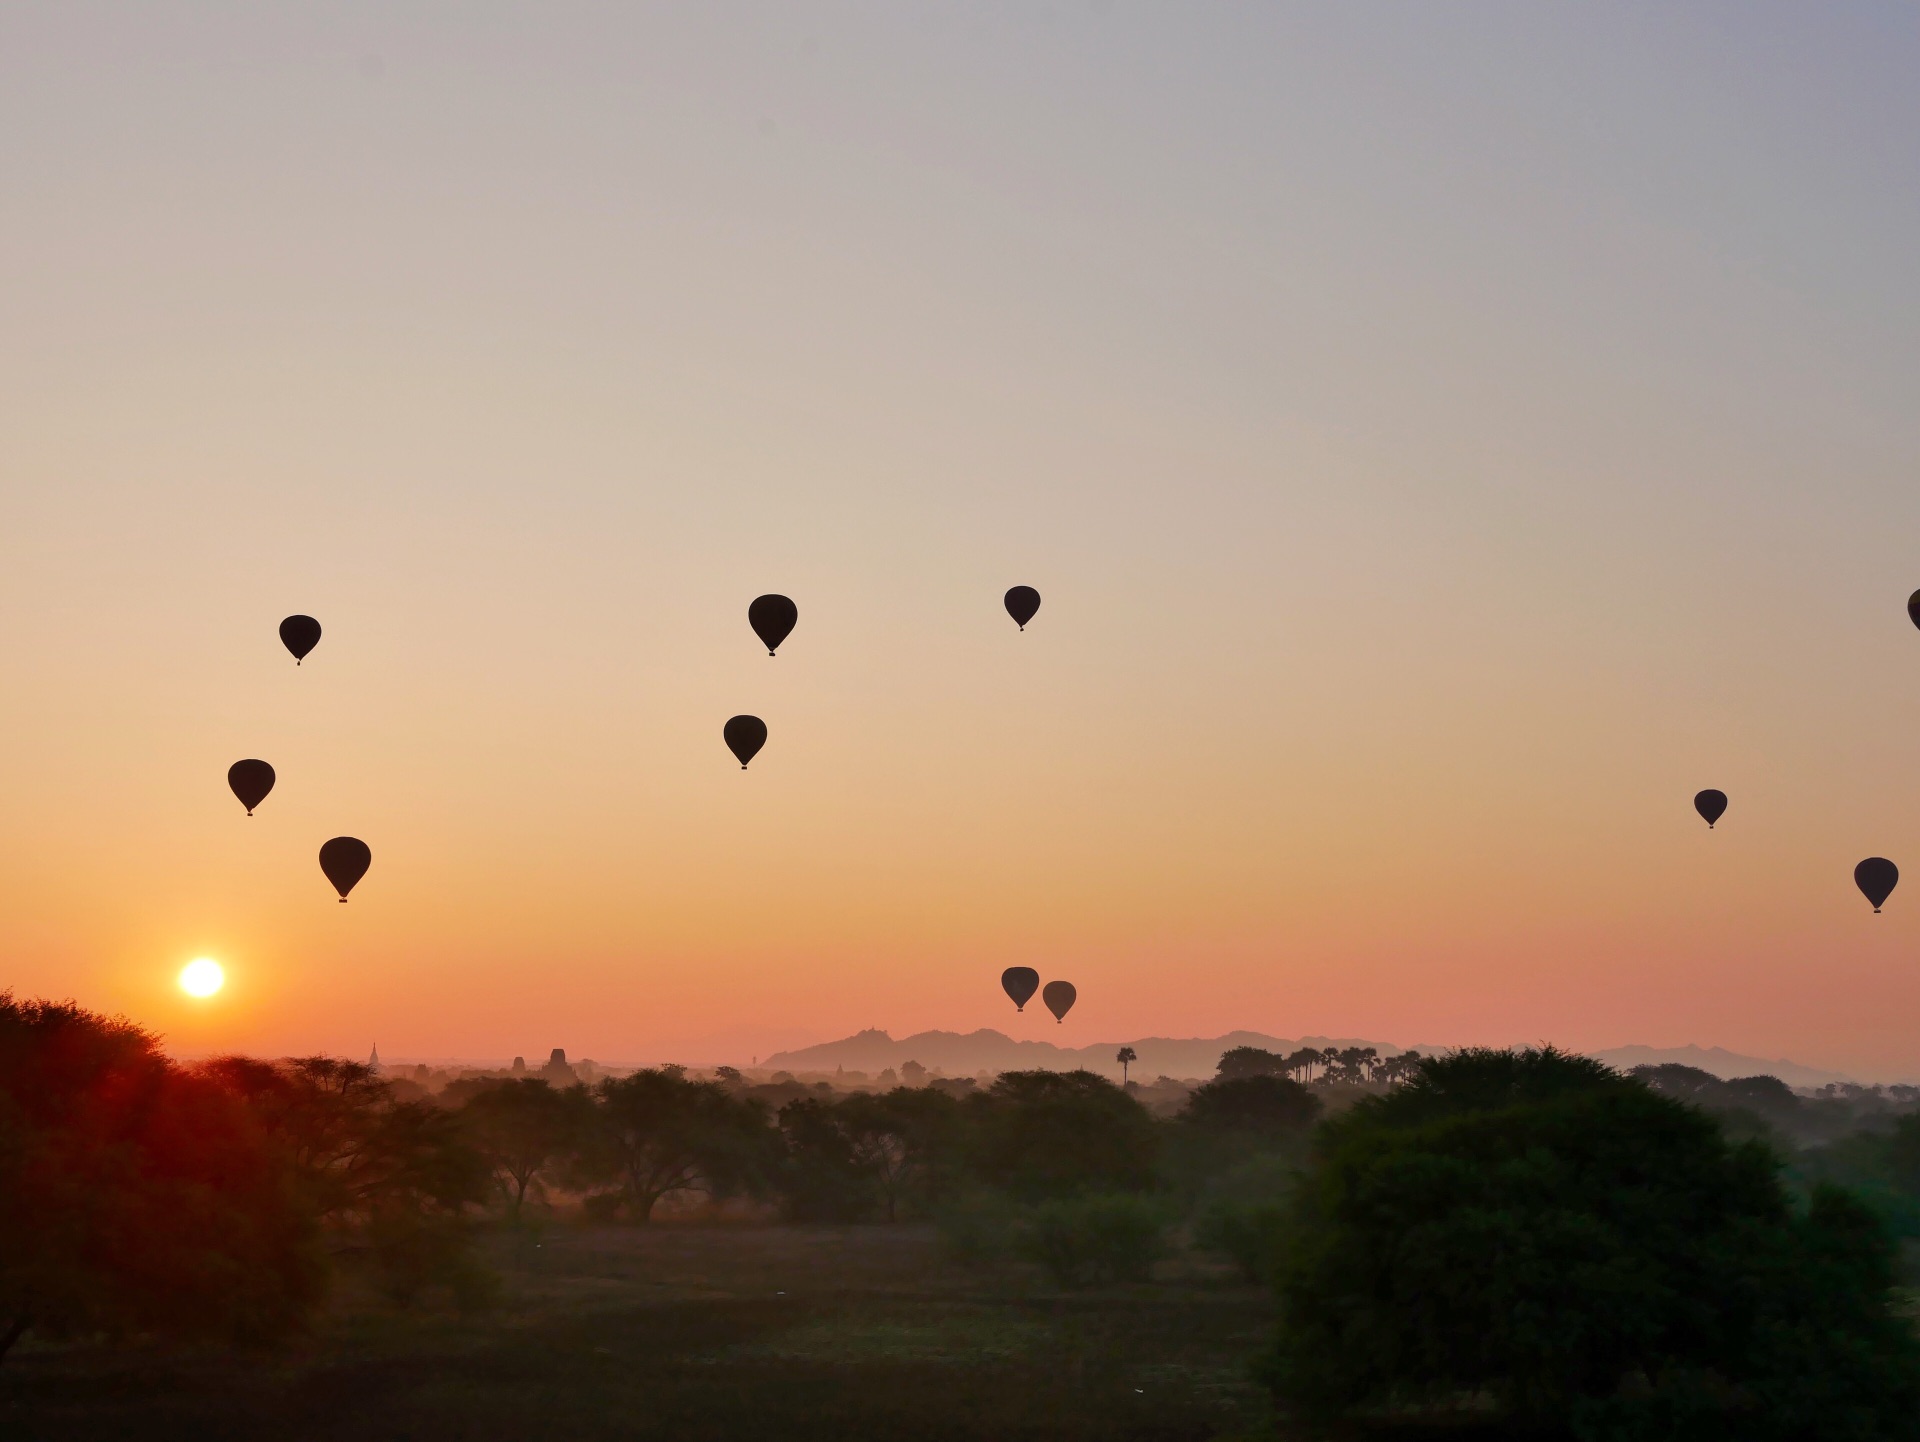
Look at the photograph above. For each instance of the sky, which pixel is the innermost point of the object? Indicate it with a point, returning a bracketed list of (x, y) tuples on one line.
[(1444, 438)]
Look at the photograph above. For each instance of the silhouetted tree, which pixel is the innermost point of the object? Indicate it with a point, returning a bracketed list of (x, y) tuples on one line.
[(1242, 1061), (656, 1133), (524, 1127), (137, 1196), (356, 1152), (1300, 1064), (1534, 1228), (1266, 1108), (1042, 1133), (1126, 1056)]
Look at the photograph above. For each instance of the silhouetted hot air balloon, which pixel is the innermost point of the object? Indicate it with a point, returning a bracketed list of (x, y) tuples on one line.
[(1022, 602), (345, 860), (251, 781), (299, 634), (772, 619), (1020, 983), (1876, 877), (1913, 607), (1711, 805), (745, 735), (1059, 997)]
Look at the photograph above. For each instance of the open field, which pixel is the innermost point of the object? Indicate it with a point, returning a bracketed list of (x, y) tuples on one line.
[(696, 1332)]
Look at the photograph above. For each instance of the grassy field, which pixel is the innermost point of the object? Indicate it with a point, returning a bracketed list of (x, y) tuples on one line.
[(691, 1332)]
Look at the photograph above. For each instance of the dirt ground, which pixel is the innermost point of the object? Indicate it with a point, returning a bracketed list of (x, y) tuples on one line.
[(700, 1332)]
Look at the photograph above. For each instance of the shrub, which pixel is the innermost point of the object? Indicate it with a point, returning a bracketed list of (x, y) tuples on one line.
[(1249, 1233), (977, 1228), (1095, 1238)]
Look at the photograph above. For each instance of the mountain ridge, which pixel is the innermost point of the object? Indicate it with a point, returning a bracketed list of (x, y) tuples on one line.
[(1187, 1058)]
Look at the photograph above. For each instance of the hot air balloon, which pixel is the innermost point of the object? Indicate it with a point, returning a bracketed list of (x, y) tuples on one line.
[(1022, 602), (1876, 877), (772, 619), (745, 735), (251, 781), (1020, 983), (1059, 997), (299, 634), (345, 860), (1711, 805), (1913, 607)]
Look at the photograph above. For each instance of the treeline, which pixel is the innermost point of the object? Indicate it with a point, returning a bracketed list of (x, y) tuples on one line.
[(1524, 1236), (138, 1195)]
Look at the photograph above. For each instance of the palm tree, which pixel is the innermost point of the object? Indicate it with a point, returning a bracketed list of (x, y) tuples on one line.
[(1126, 1057)]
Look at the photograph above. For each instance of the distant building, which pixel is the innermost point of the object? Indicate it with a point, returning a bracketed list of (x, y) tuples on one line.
[(519, 1064), (556, 1070), (373, 1062)]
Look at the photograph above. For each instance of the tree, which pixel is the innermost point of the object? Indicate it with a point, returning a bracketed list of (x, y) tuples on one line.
[(523, 1127), (655, 1133), (1267, 1108), (906, 1140), (355, 1151), (1537, 1229), (1126, 1056), (135, 1195), (862, 1154), (1242, 1061), (1041, 1133), (388, 1179)]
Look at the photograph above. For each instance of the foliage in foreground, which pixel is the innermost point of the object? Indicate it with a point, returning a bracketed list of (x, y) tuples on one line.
[(137, 1196), (1597, 1259)]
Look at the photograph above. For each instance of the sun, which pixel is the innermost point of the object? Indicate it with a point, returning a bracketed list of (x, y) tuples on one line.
[(202, 976)]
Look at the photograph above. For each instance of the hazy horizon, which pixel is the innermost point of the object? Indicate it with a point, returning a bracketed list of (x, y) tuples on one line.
[(1443, 440)]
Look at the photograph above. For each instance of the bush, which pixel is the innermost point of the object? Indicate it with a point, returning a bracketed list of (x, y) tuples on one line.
[(415, 1252), (1249, 1233), (977, 1228), (1095, 1239), (1595, 1258)]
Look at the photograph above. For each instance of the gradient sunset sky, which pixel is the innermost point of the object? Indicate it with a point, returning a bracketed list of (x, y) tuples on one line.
[(1445, 438)]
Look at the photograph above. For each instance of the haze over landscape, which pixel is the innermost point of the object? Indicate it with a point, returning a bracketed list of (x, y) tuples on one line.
[(1444, 443)]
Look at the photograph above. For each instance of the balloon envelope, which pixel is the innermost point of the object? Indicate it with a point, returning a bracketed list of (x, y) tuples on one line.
[(1022, 602), (345, 860), (251, 781), (1913, 607), (1711, 805), (745, 735), (1059, 997), (773, 619), (299, 634), (1876, 877), (1020, 983)]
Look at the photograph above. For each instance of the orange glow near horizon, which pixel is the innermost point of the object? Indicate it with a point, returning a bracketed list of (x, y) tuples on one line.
[(1420, 518)]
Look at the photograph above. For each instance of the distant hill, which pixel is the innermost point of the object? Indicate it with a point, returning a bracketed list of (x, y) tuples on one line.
[(1722, 1063), (965, 1053)]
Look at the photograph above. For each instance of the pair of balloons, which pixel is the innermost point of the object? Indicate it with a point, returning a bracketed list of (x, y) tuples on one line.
[(1876, 876), (1020, 983), (773, 618), (344, 859)]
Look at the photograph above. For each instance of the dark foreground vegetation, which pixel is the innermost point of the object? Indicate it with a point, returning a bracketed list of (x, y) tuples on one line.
[(1493, 1243)]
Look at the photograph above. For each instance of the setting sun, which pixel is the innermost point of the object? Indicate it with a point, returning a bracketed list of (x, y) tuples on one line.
[(202, 977)]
